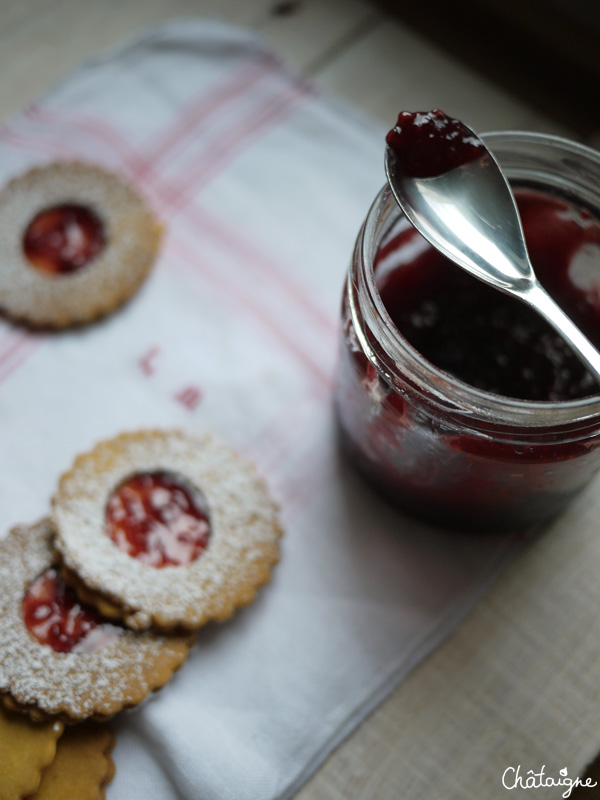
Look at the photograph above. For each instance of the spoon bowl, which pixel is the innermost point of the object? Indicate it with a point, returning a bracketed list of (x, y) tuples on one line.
[(468, 212)]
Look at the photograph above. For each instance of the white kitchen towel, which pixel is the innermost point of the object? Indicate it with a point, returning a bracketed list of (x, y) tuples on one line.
[(262, 185)]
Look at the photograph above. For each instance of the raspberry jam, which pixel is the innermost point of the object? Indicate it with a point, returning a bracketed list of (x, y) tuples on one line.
[(455, 400), (63, 239), (429, 143), (159, 519), (54, 616), (484, 337)]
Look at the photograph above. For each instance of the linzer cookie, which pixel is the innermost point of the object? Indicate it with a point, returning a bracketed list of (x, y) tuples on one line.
[(165, 530), (82, 766), (76, 243), (60, 659), (26, 749)]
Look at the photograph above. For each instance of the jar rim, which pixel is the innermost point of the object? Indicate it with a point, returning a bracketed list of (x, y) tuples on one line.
[(439, 386)]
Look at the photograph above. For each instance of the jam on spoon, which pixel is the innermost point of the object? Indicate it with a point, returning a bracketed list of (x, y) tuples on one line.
[(466, 209), (429, 143), (475, 414)]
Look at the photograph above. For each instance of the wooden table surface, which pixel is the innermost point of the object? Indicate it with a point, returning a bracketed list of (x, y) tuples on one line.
[(351, 49)]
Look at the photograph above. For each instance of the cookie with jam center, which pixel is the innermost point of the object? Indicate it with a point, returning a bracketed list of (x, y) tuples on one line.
[(76, 243), (61, 659), (161, 529)]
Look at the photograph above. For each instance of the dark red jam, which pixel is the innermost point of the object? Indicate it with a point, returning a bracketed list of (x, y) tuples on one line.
[(54, 616), (429, 143), (159, 519), (63, 239), (484, 337), (435, 459)]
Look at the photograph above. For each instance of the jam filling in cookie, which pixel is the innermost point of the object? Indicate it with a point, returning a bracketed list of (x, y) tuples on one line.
[(77, 242), (54, 616), (57, 658), (64, 238), (155, 498), (159, 519)]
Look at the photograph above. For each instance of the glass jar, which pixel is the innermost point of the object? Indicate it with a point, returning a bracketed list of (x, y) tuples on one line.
[(440, 448)]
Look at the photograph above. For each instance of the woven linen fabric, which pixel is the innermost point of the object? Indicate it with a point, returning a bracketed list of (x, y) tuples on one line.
[(510, 698), (262, 185)]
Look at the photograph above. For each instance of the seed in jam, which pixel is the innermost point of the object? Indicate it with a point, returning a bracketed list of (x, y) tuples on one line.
[(54, 616), (63, 239), (159, 519), (429, 143)]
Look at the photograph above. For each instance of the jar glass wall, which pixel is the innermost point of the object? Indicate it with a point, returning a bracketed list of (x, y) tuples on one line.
[(439, 447)]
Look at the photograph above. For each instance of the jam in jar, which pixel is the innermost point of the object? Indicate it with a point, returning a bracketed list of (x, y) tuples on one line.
[(457, 401)]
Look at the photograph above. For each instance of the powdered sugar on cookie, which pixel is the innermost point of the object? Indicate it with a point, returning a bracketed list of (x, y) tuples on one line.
[(58, 298), (73, 685), (237, 560)]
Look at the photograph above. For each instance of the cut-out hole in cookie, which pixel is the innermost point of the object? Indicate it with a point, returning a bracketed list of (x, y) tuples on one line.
[(159, 518), (62, 239), (54, 616)]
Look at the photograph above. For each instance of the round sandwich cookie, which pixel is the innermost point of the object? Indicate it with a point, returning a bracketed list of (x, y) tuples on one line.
[(159, 528), (76, 243), (59, 658)]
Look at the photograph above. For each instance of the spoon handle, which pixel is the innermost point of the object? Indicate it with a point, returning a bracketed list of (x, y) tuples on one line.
[(539, 299)]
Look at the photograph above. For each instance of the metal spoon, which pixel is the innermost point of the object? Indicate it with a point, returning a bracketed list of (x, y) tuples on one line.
[(469, 214)]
